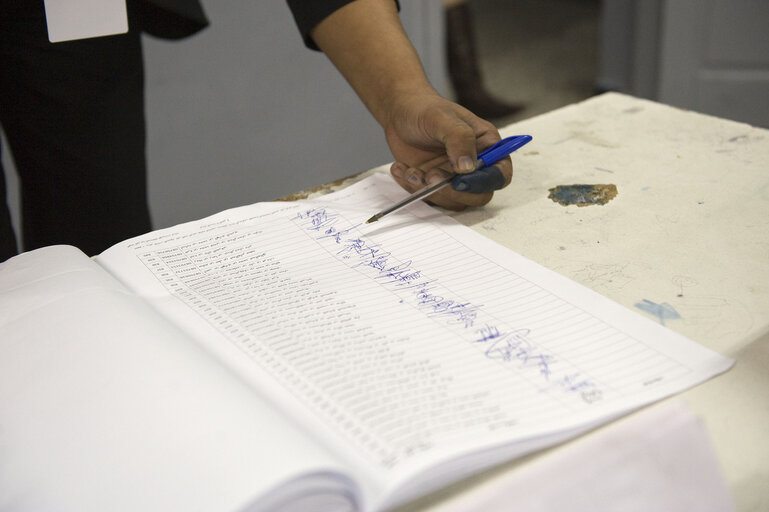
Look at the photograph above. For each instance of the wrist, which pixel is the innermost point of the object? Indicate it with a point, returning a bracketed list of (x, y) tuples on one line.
[(396, 100)]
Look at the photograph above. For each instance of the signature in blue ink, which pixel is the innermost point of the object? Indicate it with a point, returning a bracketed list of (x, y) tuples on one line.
[(515, 346), (369, 255), (486, 333), (401, 274), (318, 217), (588, 390), (404, 276), (337, 235), (463, 313), (662, 311)]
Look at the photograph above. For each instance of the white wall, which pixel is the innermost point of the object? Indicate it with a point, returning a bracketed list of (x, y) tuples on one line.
[(715, 58), (711, 56), (243, 112)]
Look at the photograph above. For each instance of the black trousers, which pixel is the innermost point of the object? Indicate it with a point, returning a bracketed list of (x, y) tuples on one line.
[(73, 115)]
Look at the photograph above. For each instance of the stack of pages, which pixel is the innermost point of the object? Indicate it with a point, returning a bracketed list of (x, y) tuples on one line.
[(286, 356)]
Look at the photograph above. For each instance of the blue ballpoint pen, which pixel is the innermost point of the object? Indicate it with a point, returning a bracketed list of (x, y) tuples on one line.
[(486, 158)]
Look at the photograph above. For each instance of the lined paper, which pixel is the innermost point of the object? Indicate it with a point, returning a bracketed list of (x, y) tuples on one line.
[(417, 337)]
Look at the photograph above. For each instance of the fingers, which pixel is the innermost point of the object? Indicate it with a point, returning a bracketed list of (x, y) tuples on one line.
[(481, 181), (413, 179), (456, 134), (463, 134), (410, 178), (460, 147), (459, 139)]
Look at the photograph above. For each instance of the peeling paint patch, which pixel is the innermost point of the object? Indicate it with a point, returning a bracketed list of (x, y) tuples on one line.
[(305, 194), (582, 195)]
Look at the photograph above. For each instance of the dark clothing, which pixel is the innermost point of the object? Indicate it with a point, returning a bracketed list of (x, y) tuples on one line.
[(169, 19), (307, 14), (73, 114)]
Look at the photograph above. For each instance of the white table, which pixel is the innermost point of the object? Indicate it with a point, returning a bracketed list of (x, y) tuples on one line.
[(685, 241)]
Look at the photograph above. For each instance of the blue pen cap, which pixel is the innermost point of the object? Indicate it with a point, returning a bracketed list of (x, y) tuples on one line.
[(502, 148)]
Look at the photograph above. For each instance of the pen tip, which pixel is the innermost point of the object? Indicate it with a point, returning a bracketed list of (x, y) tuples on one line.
[(372, 219)]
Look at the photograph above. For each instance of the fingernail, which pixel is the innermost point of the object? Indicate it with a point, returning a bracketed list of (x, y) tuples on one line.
[(461, 186), (432, 179), (466, 163), (398, 170)]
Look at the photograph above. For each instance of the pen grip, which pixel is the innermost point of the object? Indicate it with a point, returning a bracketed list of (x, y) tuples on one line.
[(482, 181)]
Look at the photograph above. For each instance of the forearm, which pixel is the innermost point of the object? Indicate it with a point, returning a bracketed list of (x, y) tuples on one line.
[(366, 42)]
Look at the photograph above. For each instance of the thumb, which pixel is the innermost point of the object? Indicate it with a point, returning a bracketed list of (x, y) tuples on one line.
[(459, 140)]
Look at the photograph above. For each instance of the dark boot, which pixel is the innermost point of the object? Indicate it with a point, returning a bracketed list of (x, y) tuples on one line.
[(464, 72)]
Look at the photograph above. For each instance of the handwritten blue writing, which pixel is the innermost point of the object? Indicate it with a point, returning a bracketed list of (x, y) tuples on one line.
[(319, 218), (515, 346), (512, 346)]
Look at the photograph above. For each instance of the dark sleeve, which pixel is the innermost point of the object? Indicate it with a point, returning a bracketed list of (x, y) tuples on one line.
[(168, 19), (308, 13)]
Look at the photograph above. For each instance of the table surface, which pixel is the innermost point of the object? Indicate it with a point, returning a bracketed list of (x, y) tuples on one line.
[(684, 241)]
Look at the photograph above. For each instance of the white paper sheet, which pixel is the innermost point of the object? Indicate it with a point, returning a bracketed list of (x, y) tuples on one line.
[(660, 459), (105, 406), (408, 341)]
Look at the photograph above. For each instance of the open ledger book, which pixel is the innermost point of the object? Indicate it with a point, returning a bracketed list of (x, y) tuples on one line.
[(285, 356)]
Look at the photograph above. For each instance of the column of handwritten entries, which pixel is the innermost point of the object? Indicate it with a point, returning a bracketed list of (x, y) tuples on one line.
[(404, 339)]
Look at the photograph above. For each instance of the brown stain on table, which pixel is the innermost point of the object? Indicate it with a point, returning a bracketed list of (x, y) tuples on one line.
[(304, 194)]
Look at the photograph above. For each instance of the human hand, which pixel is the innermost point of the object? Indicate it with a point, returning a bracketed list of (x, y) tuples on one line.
[(431, 138)]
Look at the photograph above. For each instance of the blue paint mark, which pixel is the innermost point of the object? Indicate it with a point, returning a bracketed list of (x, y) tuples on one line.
[(582, 195), (646, 188), (662, 311)]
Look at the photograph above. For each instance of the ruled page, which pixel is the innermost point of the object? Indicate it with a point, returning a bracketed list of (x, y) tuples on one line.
[(409, 340), (104, 405)]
